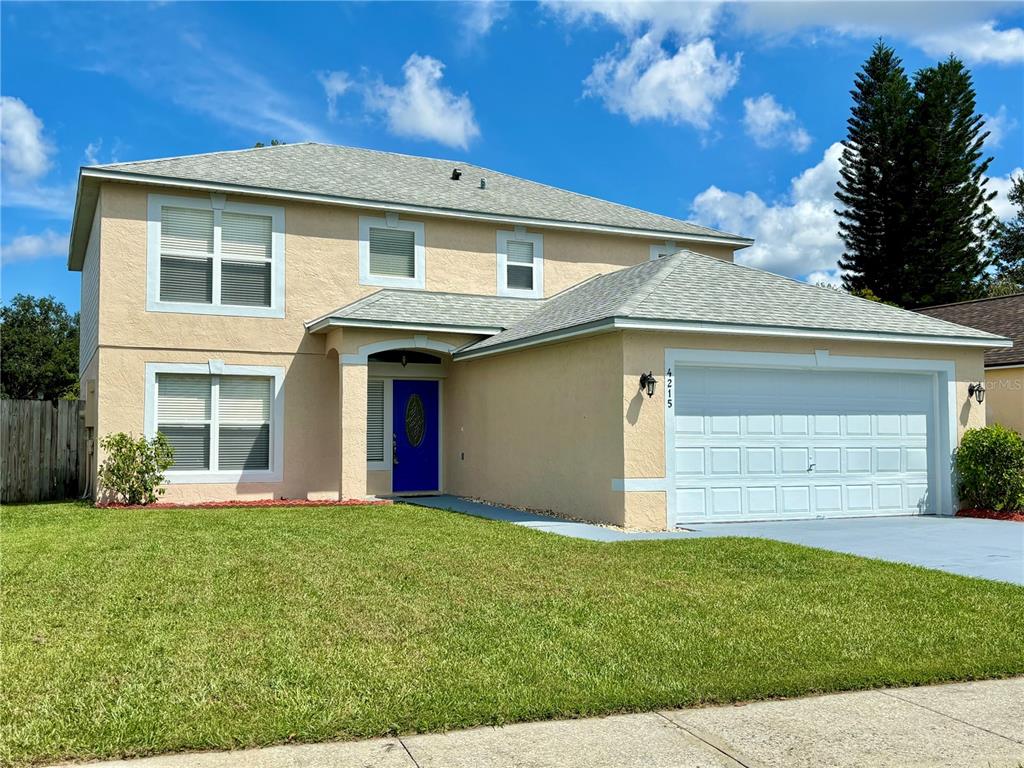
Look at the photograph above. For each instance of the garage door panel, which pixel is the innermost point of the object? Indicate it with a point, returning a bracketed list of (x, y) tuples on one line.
[(781, 444)]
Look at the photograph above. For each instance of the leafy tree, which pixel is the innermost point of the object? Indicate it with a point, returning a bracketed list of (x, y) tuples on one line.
[(273, 143), (875, 179), (952, 222), (133, 469), (1009, 246), (38, 349)]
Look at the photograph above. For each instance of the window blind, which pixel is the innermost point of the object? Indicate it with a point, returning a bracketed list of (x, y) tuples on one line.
[(244, 430), (519, 267), (183, 412), (392, 252), (375, 420), (186, 231), (245, 235)]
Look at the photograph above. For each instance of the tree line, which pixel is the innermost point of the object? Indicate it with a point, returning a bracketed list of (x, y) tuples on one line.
[(915, 215)]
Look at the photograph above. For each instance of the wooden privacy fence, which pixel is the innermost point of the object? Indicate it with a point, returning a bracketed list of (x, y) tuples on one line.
[(43, 448)]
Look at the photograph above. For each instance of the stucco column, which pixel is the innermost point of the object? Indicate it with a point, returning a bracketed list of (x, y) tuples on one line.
[(352, 428)]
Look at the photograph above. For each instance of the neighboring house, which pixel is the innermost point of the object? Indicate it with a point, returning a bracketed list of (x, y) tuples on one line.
[(1004, 368), (311, 321)]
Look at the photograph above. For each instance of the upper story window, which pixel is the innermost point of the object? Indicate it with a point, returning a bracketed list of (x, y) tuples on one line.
[(391, 252), (521, 264), (224, 426), (212, 256)]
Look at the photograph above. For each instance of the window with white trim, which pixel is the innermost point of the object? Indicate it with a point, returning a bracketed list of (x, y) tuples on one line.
[(212, 256), (223, 421), (391, 252), (521, 264)]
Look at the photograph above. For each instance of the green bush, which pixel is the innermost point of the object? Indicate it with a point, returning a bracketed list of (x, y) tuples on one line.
[(134, 468), (990, 465)]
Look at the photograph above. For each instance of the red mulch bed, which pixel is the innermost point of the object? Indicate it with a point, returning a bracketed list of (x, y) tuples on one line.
[(990, 514), (251, 503)]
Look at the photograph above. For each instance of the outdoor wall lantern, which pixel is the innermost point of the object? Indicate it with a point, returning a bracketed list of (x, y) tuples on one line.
[(647, 381), (977, 391)]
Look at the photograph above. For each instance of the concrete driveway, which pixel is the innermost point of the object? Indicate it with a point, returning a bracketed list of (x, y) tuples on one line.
[(987, 549)]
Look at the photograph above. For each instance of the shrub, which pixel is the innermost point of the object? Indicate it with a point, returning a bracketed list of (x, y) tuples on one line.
[(990, 465), (134, 468)]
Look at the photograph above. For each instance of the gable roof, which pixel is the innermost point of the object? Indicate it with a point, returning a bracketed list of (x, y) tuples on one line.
[(369, 178), (689, 291), (1003, 315)]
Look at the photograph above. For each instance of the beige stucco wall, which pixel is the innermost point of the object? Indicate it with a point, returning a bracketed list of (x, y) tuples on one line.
[(539, 428), (1004, 397), (322, 271), (310, 418)]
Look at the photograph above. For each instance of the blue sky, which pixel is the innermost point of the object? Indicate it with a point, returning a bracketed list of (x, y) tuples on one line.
[(727, 114)]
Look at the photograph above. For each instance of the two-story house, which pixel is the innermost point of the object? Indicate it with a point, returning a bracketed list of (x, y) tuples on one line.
[(323, 322)]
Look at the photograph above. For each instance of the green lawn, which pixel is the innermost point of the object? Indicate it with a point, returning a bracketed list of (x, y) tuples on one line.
[(126, 632)]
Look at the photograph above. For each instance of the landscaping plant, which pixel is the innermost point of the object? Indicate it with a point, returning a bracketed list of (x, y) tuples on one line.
[(133, 469), (990, 465)]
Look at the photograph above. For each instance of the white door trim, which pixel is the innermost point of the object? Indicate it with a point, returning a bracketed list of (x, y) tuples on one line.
[(943, 401)]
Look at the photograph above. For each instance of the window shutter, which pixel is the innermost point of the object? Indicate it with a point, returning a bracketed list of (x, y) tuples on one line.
[(244, 432), (392, 252), (183, 404), (375, 420), (186, 231)]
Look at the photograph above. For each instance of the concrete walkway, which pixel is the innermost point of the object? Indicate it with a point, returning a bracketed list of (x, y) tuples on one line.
[(960, 725), (988, 549)]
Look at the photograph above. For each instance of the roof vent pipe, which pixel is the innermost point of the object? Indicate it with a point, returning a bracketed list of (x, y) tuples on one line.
[(483, 183), (456, 174)]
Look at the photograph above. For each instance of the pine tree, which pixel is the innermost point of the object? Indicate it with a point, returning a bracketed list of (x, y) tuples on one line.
[(874, 187), (951, 221), (1009, 246)]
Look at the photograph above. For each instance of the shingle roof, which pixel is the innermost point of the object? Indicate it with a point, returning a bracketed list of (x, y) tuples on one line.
[(392, 306), (707, 292), (386, 177), (1003, 315)]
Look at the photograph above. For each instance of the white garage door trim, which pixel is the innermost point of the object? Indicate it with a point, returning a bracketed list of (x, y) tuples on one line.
[(943, 380)]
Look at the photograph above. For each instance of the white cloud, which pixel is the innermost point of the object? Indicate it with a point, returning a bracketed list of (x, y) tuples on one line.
[(979, 43), (27, 157), (649, 83), (667, 67), (798, 235), (967, 29), (998, 125), (335, 84), (26, 151), (46, 245), (422, 108), (685, 21), (479, 17), (771, 125), (1001, 205)]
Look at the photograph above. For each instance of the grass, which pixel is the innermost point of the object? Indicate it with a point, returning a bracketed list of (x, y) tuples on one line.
[(129, 632)]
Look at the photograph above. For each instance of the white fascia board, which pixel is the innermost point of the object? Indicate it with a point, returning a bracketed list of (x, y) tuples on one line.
[(238, 189), (602, 326), (333, 322)]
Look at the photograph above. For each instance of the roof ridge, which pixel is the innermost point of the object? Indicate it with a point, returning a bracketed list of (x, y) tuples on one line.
[(666, 265), (201, 154)]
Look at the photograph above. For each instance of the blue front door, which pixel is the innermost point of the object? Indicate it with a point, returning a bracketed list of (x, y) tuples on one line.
[(416, 437)]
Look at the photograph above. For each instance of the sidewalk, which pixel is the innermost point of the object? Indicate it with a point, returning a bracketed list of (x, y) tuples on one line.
[(958, 725)]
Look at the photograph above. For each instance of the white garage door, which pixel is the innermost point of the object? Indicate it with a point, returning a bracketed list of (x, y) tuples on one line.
[(762, 444)]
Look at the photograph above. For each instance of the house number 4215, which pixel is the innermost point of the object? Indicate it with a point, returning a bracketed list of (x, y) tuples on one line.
[(668, 388)]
